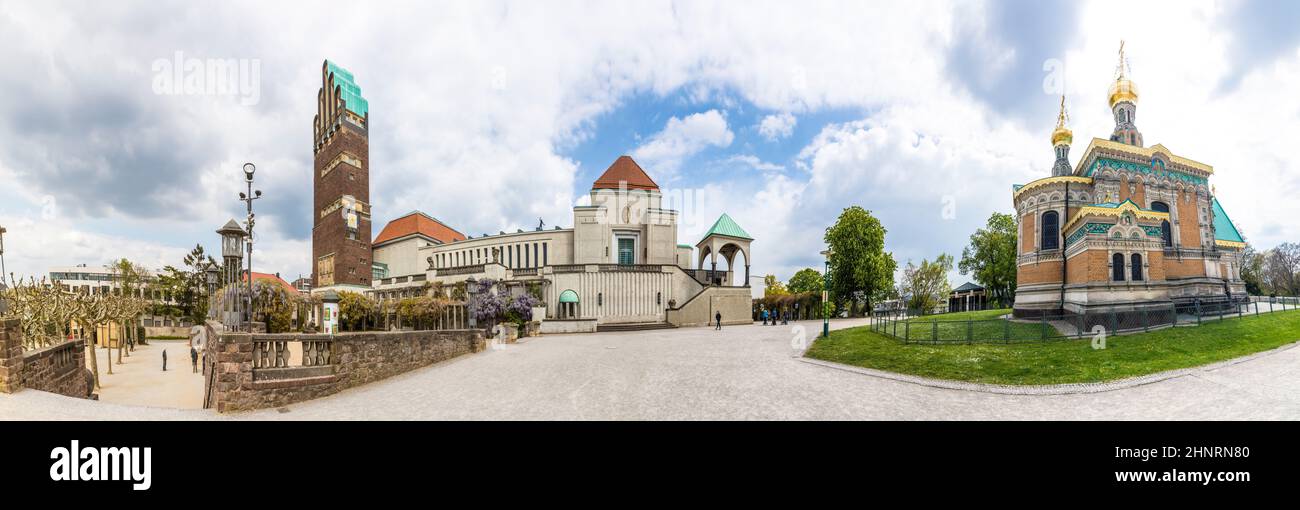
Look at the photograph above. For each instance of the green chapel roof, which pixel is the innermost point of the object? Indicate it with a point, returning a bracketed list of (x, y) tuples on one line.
[(1224, 230), (725, 226), (348, 89)]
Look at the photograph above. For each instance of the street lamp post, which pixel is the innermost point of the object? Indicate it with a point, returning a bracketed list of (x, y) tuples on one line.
[(248, 199), (826, 284), (212, 274), (3, 306), (3, 273)]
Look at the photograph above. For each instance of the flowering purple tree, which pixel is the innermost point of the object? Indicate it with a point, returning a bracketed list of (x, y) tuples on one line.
[(521, 308), (485, 305)]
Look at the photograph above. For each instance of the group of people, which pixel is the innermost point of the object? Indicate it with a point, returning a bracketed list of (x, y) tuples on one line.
[(775, 315)]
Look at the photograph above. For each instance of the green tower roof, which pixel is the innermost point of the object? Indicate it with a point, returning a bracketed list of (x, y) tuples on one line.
[(1224, 230), (725, 226), (348, 89)]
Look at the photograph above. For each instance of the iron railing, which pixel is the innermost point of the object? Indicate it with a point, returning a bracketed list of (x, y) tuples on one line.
[(914, 328)]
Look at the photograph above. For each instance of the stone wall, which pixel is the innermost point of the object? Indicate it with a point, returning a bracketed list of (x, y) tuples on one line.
[(236, 384), (734, 303), (11, 356), (57, 369)]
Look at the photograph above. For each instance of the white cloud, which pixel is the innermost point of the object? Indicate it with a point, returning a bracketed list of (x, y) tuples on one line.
[(752, 161), (681, 138), (472, 120), (777, 126)]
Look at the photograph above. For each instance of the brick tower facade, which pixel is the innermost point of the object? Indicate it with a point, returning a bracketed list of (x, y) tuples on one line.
[(341, 252)]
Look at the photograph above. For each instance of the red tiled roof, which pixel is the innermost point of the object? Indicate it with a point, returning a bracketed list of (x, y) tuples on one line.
[(265, 277), (624, 170), (418, 223)]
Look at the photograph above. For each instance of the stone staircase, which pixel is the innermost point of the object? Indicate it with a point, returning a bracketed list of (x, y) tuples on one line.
[(633, 326)]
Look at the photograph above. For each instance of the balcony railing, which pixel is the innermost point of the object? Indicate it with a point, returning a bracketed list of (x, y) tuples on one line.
[(632, 268), (453, 271)]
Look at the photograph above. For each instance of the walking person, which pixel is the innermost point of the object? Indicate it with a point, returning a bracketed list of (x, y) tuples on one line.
[(164, 360), (717, 318), (764, 314), (194, 359)]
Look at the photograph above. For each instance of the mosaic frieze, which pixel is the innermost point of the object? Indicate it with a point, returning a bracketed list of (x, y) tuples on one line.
[(1158, 171)]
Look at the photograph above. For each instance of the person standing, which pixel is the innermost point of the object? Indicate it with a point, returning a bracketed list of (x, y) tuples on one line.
[(764, 314), (194, 359), (164, 360), (717, 318)]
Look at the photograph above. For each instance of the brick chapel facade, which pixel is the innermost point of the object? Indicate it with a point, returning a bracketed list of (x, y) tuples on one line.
[(1128, 228)]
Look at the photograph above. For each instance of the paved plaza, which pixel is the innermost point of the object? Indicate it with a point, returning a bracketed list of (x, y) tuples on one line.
[(739, 373), (140, 379)]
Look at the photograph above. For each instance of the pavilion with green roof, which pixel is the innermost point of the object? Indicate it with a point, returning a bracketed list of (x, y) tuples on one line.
[(724, 238)]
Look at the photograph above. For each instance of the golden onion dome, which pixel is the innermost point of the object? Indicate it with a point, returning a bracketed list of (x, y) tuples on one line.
[(1123, 90), (1062, 135)]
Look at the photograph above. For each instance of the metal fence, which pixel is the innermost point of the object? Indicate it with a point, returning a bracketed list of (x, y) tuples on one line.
[(959, 328)]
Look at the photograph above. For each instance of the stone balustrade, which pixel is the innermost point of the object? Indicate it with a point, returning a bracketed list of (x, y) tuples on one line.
[(255, 371), (58, 368)]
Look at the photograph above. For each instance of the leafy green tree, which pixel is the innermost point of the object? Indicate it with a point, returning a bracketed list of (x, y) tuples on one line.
[(132, 280), (805, 280), (197, 263), (773, 286), (355, 310), (991, 257), (1252, 271), (926, 286), (860, 268), (275, 305)]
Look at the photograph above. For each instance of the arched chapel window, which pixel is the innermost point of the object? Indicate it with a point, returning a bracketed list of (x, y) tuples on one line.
[(1166, 232), (1051, 231), (1137, 267), (1117, 267)]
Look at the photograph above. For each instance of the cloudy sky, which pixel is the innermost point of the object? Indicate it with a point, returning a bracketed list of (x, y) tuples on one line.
[(489, 115)]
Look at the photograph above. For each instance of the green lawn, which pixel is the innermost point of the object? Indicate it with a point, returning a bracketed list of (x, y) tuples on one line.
[(1063, 361)]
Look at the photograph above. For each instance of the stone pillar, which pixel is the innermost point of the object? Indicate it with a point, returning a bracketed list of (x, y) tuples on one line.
[(713, 271), (11, 356), (746, 275)]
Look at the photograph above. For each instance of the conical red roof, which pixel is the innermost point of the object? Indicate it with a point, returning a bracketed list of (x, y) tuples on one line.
[(624, 170)]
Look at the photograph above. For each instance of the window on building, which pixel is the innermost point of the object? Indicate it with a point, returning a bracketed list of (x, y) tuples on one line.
[(1166, 233), (1137, 267), (526, 259), (510, 257), (626, 251), (1117, 267), (544, 255), (1050, 232), (536, 261)]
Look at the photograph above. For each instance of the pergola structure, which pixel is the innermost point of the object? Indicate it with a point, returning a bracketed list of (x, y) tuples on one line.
[(968, 297)]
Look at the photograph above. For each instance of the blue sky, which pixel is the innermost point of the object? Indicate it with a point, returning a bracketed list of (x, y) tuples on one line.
[(489, 115)]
